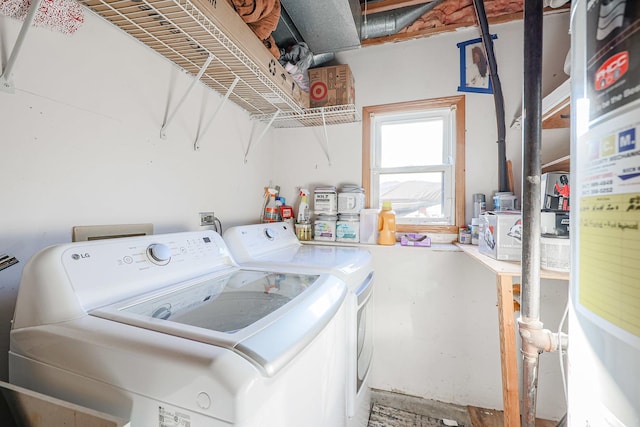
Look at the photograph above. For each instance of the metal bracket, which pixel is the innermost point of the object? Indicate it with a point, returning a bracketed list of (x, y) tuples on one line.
[(196, 145), (325, 147), (264, 131), (6, 84), (163, 130)]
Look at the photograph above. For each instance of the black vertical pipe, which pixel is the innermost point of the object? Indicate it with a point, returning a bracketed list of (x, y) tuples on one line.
[(498, 98), (531, 204)]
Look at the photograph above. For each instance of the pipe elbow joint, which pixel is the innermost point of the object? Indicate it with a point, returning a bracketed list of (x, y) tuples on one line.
[(541, 339)]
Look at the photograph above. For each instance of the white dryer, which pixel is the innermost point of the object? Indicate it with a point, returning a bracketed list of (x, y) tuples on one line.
[(275, 246), (167, 330)]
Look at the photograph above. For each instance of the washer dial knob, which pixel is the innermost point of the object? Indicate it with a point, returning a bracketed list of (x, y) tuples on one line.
[(159, 253), (270, 233)]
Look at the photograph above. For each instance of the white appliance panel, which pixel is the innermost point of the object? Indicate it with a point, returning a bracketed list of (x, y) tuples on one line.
[(166, 326), (604, 325), (275, 245)]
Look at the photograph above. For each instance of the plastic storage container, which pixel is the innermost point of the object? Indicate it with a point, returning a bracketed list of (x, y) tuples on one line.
[(324, 228), (350, 200), (348, 228), (369, 226), (387, 225), (325, 201), (504, 201)]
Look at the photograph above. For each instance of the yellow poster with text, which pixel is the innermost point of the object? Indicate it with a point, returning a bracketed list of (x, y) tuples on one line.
[(610, 258)]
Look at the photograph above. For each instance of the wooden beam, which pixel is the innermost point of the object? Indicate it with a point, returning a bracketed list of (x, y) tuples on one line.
[(437, 30), (387, 5), (404, 36)]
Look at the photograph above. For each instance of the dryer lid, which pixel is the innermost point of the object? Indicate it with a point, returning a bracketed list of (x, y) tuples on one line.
[(270, 245)]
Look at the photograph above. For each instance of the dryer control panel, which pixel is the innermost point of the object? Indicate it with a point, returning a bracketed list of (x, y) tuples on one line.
[(249, 242)]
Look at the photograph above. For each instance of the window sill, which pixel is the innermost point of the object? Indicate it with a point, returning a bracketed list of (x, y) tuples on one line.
[(441, 247)]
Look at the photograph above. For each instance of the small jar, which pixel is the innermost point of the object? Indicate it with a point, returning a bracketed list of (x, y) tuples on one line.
[(324, 228), (464, 235), (304, 231), (348, 228)]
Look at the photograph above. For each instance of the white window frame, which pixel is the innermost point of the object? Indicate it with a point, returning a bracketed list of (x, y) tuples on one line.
[(452, 110)]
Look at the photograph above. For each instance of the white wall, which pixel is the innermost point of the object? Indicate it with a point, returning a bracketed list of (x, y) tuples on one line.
[(436, 329), (436, 311), (80, 145)]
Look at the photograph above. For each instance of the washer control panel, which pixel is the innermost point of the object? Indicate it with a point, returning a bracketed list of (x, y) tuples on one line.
[(106, 271)]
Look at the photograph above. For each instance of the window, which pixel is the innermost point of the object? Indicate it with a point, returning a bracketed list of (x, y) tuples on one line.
[(413, 156)]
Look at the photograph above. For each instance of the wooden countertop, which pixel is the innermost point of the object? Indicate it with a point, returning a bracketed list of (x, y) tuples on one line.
[(507, 268)]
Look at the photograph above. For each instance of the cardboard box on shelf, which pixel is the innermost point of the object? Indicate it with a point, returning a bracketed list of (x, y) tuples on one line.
[(555, 192), (501, 235), (554, 224), (333, 85)]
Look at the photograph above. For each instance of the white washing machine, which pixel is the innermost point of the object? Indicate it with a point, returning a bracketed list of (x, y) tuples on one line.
[(167, 330), (275, 245)]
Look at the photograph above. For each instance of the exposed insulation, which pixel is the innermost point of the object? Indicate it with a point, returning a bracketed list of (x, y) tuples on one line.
[(462, 12)]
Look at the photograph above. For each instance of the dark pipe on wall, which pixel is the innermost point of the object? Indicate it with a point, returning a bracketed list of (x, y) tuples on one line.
[(529, 321), (498, 98)]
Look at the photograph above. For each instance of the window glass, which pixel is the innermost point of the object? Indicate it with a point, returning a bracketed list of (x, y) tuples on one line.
[(414, 195), (413, 156), (413, 143)]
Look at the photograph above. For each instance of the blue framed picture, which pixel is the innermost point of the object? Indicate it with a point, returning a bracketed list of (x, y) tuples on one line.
[(474, 67)]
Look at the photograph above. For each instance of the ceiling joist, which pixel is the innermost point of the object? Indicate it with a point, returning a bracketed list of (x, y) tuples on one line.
[(387, 5)]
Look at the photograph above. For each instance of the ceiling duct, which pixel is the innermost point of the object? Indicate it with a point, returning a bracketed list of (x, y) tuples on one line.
[(286, 33), (326, 26), (389, 23), (333, 25)]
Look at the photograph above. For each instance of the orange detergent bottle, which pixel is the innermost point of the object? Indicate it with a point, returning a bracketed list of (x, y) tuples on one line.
[(387, 225)]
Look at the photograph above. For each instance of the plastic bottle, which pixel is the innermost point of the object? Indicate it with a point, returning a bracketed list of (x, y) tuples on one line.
[(303, 207), (387, 225), (271, 210), (303, 220)]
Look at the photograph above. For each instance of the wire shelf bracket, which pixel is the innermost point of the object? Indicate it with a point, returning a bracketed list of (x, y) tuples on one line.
[(325, 148), (196, 144), (163, 130), (6, 83), (262, 134)]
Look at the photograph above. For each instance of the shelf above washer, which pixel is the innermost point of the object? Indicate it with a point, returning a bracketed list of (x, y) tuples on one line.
[(314, 117), (188, 32)]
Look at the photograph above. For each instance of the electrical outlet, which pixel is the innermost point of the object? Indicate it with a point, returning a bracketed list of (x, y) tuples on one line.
[(207, 218)]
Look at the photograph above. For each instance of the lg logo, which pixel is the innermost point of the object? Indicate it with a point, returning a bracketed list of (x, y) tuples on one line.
[(80, 256)]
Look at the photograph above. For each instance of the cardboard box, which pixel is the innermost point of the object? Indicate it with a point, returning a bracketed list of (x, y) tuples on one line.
[(332, 85), (554, 224), (501, 235), (555, 193)]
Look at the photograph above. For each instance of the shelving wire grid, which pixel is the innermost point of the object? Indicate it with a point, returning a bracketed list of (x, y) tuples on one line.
[(313, 117), (180, 32)]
